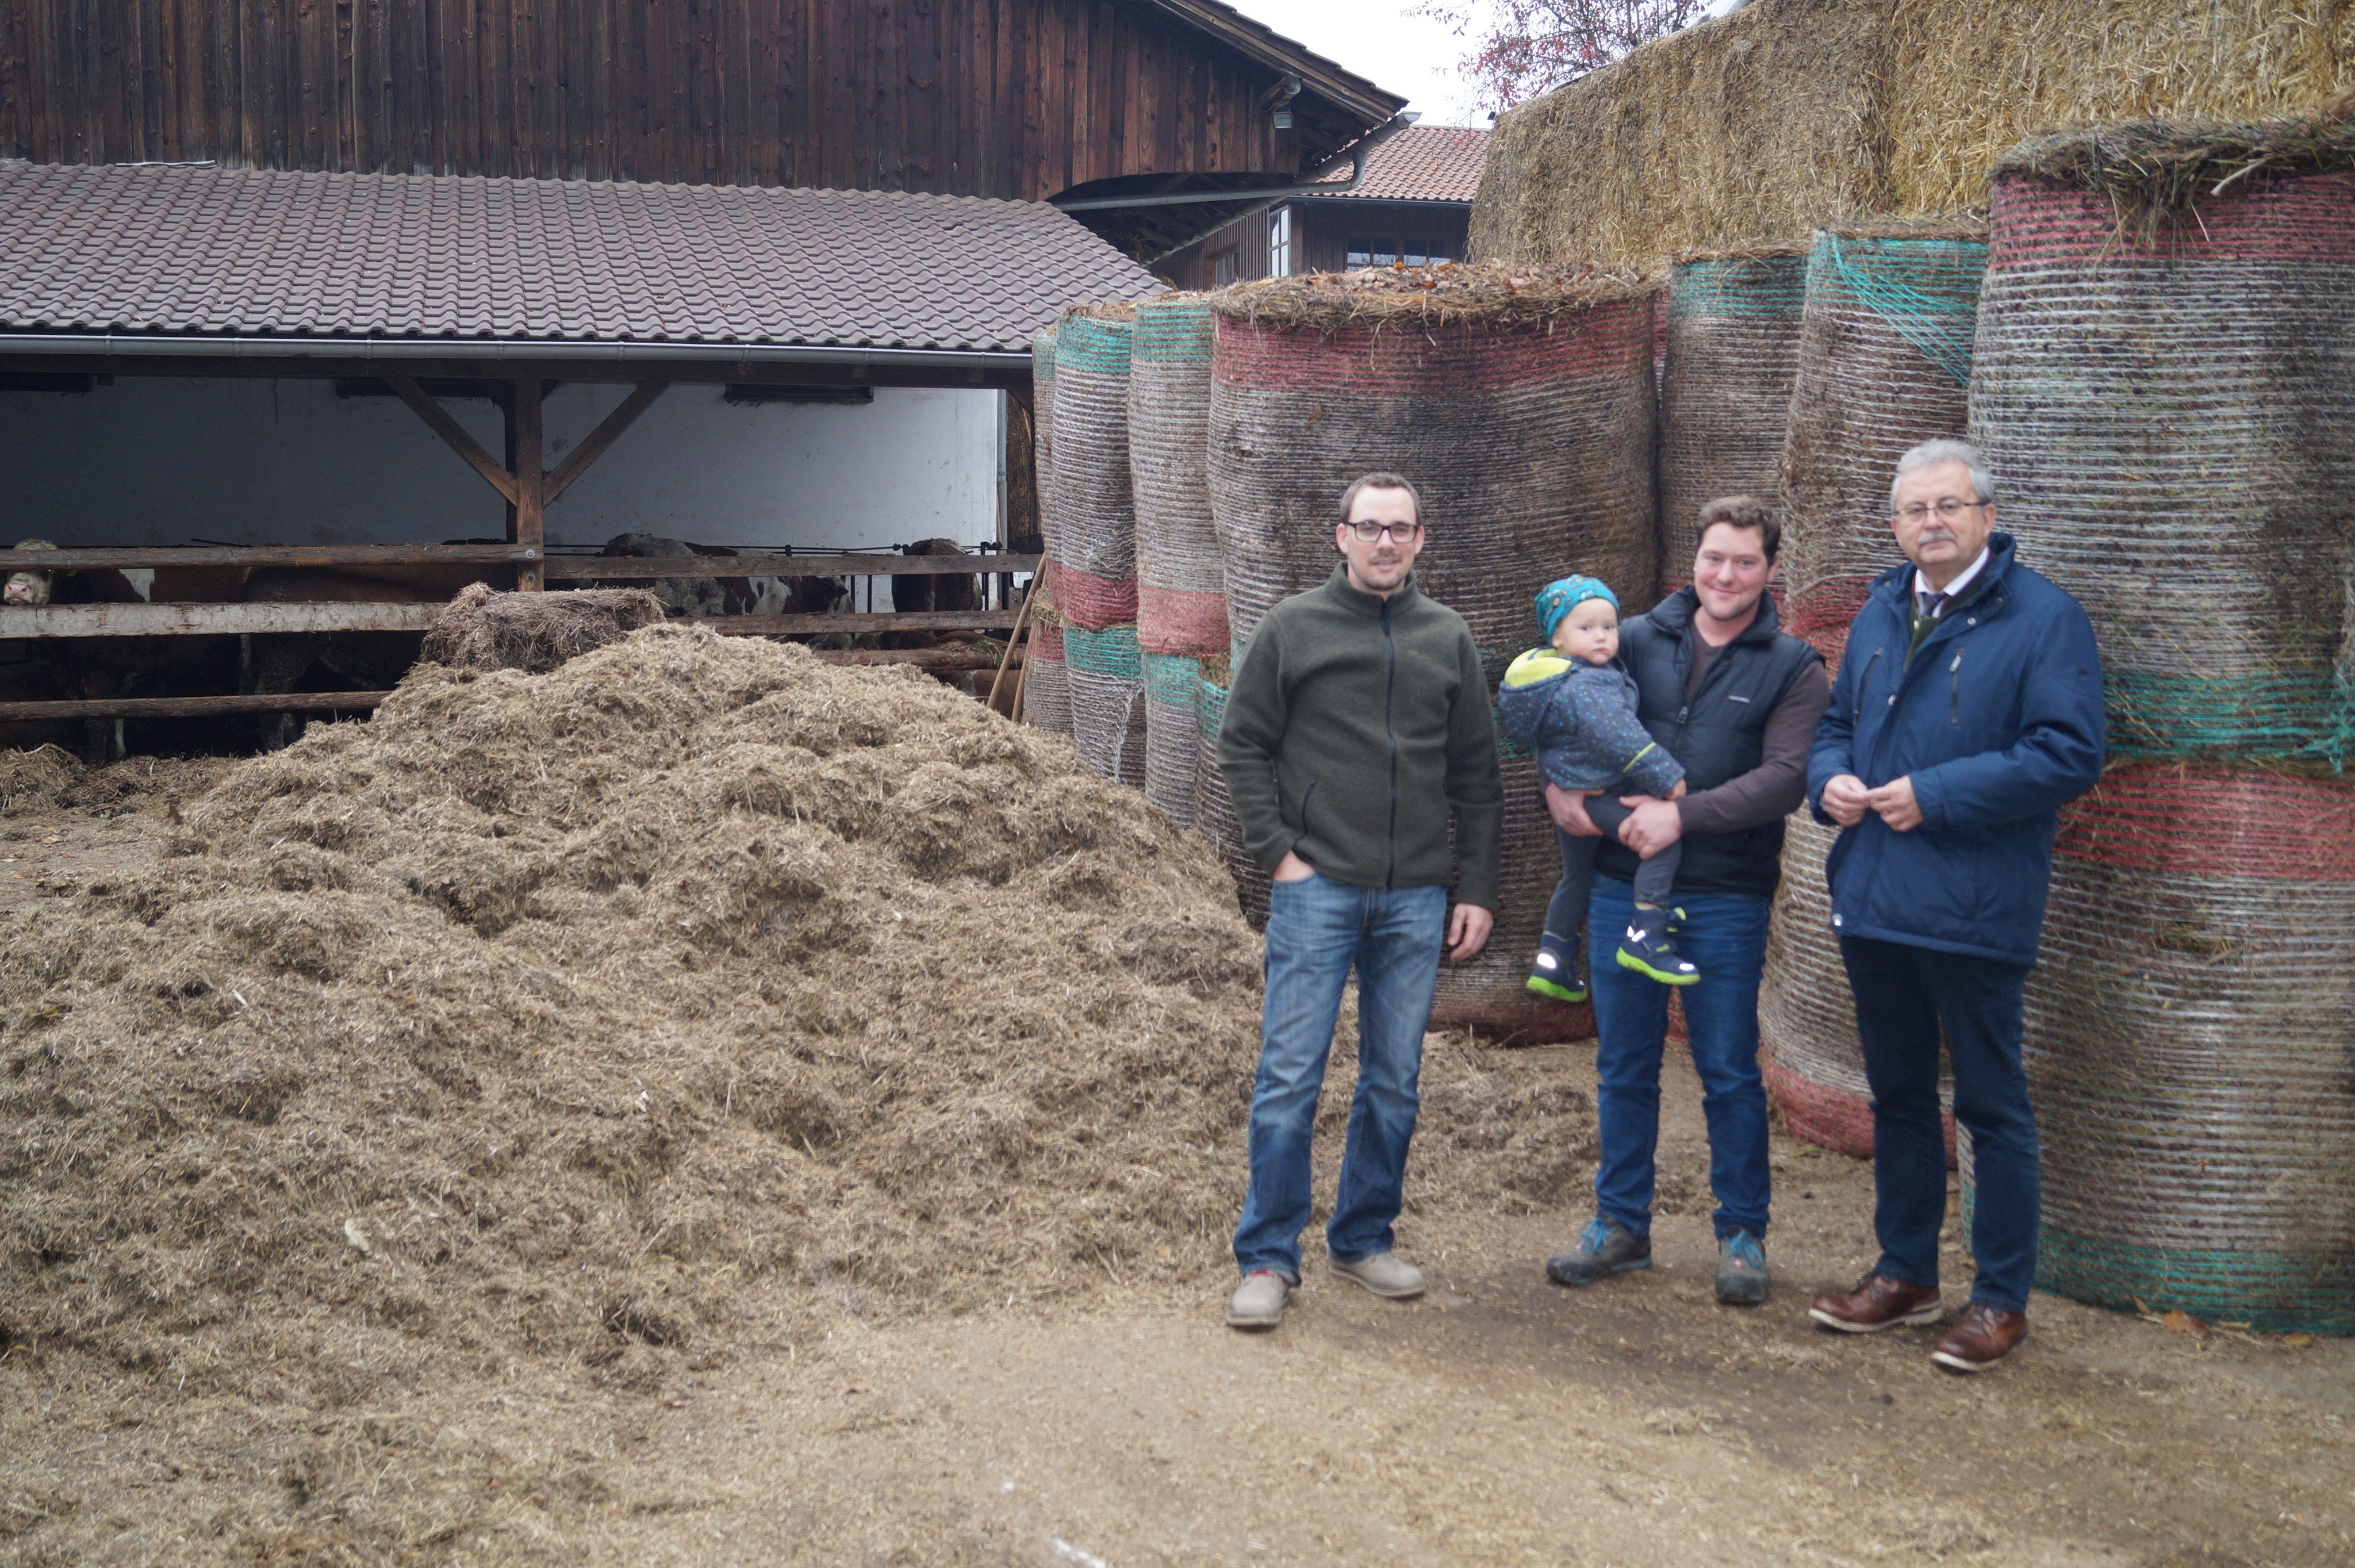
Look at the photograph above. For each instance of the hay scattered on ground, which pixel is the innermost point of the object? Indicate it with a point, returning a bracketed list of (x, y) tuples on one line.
[(1448, 293), (484, 629), (49, 779), (673, 1003)]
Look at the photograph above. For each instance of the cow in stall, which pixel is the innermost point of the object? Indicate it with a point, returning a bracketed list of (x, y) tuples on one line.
[(98, 669), (749, 595)]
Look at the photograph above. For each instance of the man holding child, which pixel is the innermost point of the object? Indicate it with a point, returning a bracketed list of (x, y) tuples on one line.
[(1734, 703)]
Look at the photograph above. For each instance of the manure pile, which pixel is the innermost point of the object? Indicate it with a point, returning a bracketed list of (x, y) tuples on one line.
[(685, 996)]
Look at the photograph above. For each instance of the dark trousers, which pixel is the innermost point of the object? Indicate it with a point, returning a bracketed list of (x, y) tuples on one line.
[(1655, 879), (1904, 995)]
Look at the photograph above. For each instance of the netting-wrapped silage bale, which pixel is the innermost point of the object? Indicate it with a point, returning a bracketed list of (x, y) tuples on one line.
[(1884, 363), (1097, 511), (1107, 685), (1181, 607), (1807, 1047), (2188, 1048), (1732, 357), (2167, 397), (1042, 438), (1214, 809), (1046, 681), (2172, 428), (1524, 414)]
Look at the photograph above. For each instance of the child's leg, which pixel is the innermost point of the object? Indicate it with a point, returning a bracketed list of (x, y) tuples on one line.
[(1567, 912), (1655, 879)]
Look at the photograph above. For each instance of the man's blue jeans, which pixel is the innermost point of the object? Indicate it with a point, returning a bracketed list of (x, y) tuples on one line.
[(1725, 937), (1317, 929), (1906, 998)]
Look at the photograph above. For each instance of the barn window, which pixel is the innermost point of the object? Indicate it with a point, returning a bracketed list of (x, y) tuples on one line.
[(1279, 243), (1365, 252), (1225, 267)]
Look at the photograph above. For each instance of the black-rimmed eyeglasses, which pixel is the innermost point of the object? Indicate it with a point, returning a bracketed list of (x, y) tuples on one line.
[(1400, 533)]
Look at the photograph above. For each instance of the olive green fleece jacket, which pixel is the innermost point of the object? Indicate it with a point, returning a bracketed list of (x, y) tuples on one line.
[(1356, 726)]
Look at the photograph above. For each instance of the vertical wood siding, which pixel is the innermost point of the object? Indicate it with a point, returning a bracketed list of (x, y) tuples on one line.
[(1003, 98)]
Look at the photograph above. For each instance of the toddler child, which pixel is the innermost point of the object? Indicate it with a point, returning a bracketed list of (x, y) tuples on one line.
[(1576, 708)]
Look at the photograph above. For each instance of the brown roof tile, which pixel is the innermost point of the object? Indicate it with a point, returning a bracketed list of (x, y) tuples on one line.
[(1425, 163), (187, 250)]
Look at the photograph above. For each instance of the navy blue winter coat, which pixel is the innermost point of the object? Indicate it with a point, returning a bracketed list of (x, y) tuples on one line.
[(1998, 719)]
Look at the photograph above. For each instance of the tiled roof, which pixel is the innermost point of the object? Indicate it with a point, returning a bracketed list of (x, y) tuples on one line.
[(1425, 163), (189, 250)]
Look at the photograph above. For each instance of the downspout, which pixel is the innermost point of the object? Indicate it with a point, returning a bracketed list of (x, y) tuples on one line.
[(1315, 185)]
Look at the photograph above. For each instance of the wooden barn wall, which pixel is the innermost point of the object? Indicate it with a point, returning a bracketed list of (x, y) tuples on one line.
[(1004, 98)]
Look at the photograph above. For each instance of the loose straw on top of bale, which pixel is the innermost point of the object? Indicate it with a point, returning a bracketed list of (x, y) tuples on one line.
[(2155, 174), (1446, 295)]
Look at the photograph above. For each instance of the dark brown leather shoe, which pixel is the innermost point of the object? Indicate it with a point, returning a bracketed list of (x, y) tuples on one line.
[(1879, 1302), (1980, 1337)]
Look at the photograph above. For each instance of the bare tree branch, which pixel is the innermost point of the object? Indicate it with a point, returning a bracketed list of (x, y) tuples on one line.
[(1523, 47)]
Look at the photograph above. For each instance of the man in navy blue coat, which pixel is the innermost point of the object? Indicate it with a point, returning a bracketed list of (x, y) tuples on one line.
[(1967, 711)]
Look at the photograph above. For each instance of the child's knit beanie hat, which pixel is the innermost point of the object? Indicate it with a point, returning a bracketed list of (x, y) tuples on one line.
[(1556, 599)]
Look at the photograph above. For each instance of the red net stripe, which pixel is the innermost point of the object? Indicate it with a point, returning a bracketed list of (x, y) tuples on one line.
[(2306, 218), (1046, 642), (1362, 362), (1820, 614), (1093, 602), (1828, 1118), (1171, 620), (2213, 821)]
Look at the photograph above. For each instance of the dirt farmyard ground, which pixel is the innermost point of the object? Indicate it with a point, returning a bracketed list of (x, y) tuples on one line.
[(1500, 1420)]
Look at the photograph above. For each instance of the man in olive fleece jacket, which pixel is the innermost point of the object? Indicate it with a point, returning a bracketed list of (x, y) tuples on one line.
[(1359, 724)]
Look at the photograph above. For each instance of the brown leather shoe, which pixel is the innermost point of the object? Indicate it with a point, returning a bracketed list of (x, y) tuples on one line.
[(1980, 1337), (1879, 1302)]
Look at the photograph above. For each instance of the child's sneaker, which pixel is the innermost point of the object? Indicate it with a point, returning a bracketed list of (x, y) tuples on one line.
[(1650, 950), (1555, 976)]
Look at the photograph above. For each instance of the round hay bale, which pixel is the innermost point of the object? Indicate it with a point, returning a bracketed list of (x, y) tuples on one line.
[(1732, 354), (483, 629), (1807, 1046), (1107, 681), (2187, 1047), (1046, 682), (1091, 470), (1173, 740), (2173, 427), (1884, 363), (1043, 446), (1521, 403), (1181, 607), (1214, 809)]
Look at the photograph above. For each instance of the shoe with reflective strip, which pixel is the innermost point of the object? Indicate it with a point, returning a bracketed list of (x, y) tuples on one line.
[(1555, 976), (1650, 951)]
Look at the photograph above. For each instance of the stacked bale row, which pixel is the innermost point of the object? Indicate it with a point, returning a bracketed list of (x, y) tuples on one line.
[(1732, 357), (1095, 576), (2167, 394), (1181, 608), (1046, 687), (1214, 809), (1884, 363), (1523, 408)]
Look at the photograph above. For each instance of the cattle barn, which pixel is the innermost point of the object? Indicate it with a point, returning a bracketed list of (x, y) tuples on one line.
[(476, 301)]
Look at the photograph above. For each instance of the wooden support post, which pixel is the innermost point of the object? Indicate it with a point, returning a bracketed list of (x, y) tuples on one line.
[(530, 480), (438, 420)]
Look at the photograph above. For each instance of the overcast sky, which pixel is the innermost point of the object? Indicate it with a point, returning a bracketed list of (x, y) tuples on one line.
[(1381, 40)]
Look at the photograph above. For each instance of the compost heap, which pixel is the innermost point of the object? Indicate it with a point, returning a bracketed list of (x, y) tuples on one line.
[(684, 996)]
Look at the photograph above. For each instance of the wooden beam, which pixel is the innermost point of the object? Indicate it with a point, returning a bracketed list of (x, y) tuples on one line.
[(454, 435), (583, 568), (949, 659), (903, 621), (609, 431), (530, 478), (136, 557), (192, 707), (211, 619)]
